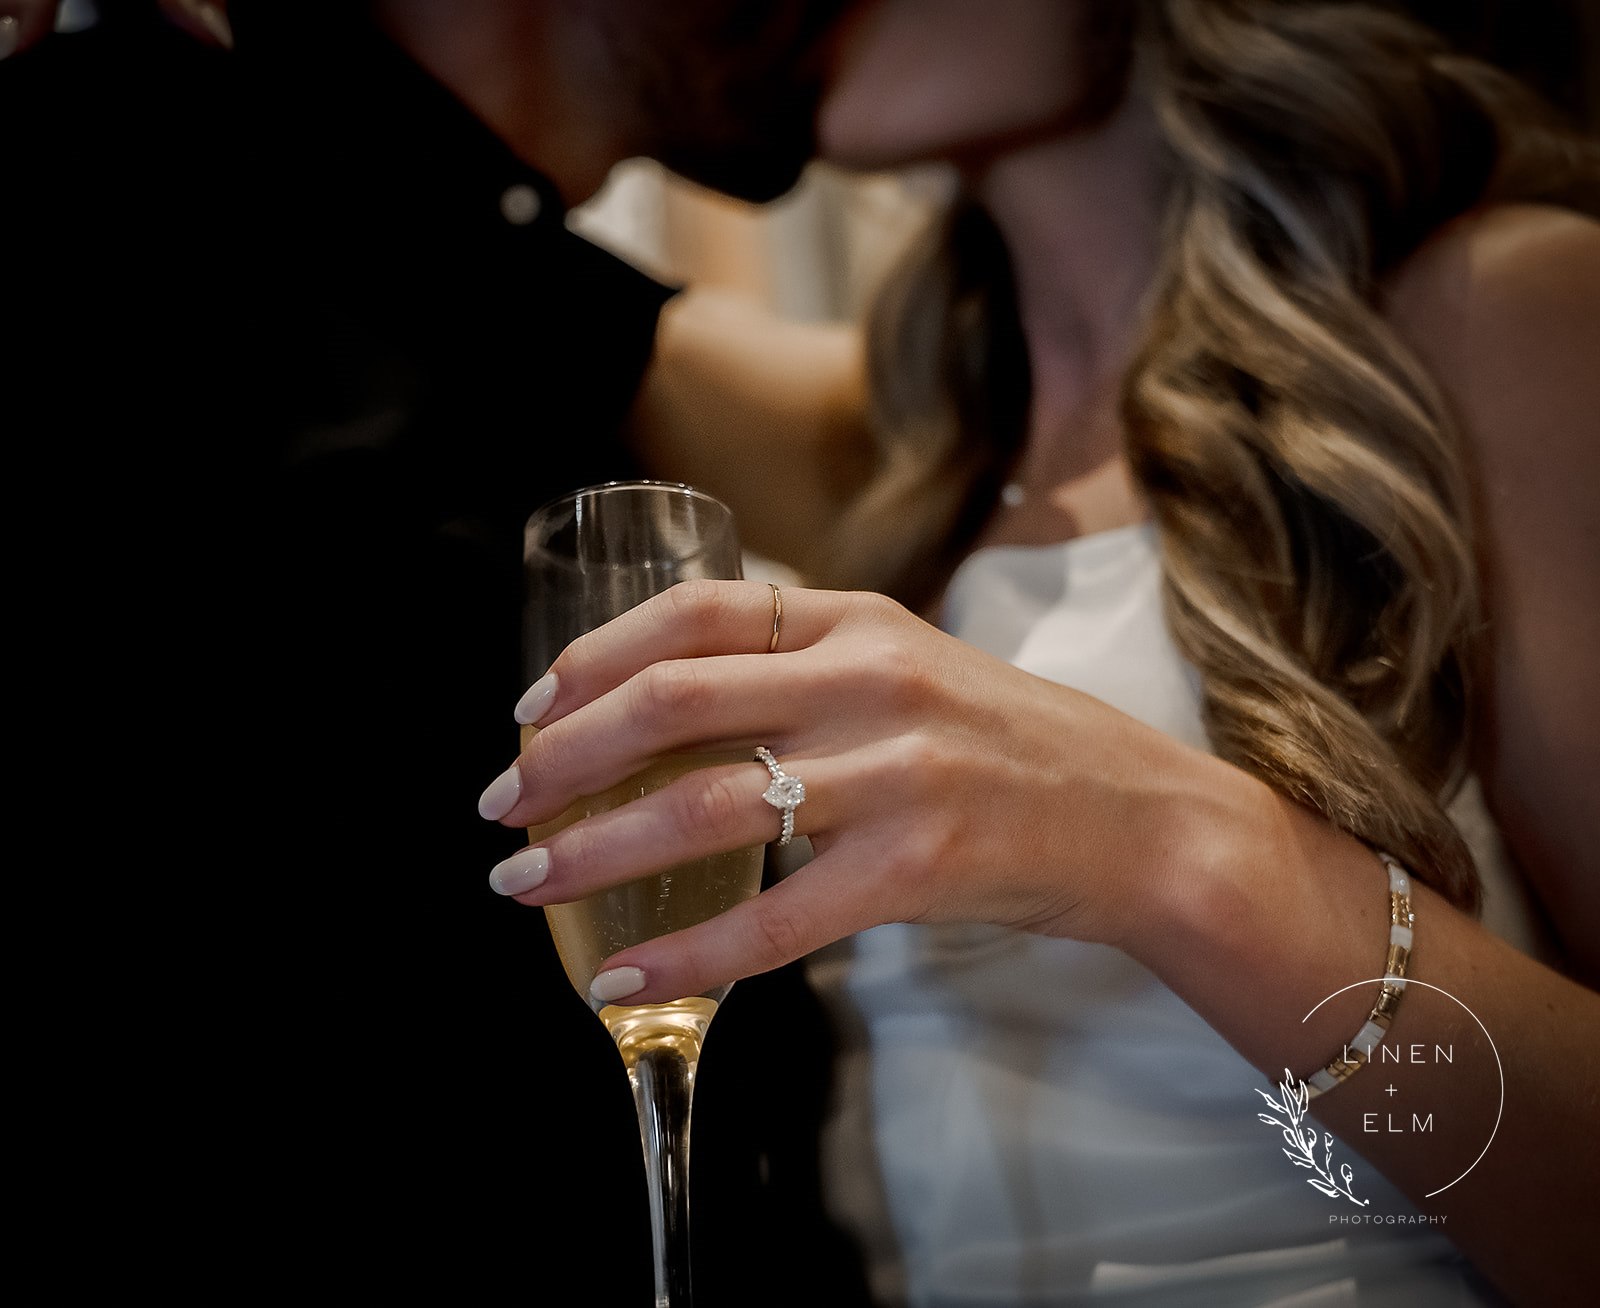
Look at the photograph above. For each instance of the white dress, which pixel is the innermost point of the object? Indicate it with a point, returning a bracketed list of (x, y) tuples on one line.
[(1023, 1120)]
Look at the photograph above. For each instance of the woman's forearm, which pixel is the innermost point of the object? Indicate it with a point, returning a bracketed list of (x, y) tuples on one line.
[(1265, 913)]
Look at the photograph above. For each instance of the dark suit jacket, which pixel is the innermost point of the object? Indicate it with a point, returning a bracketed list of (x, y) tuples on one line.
[(294, 346)]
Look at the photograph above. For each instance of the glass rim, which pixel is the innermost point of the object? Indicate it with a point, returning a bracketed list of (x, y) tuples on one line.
[(536, 535), (634, 483)]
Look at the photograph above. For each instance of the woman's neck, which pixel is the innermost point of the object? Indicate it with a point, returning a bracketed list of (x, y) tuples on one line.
[(1080, 216)]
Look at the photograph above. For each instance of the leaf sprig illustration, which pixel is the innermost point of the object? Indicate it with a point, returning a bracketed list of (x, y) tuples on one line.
[(1303, 1140)]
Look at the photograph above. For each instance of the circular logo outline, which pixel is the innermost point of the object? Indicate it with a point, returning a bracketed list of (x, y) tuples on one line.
[(1498, 1066)]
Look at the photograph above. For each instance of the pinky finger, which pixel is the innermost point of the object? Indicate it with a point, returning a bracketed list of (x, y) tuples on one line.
[(811, 908)]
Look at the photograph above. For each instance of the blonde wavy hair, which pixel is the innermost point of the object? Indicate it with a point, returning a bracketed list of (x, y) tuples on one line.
[(1308, 482)]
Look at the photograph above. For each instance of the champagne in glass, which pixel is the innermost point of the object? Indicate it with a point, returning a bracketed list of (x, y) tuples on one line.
[(589, 557)]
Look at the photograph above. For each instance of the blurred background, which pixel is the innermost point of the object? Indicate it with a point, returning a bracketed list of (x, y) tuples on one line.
[(817, 254)]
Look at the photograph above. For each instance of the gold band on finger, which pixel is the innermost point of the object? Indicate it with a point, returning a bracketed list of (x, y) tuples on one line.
[(777, 618)]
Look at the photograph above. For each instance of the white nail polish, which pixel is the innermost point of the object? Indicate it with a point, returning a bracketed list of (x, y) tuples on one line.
[(524, 870), (501, 796), (618, 983), (536, 700)]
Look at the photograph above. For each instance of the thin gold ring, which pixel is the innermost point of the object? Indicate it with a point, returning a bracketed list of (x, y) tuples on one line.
[(777, 618)]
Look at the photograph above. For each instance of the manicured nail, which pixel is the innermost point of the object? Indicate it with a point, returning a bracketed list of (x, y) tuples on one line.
[(524, 870), (536, 700), (502, 795), (618, 983), (10, 36)]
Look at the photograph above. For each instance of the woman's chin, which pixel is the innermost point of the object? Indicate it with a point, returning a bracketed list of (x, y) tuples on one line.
[(866, 161), (872, 152)]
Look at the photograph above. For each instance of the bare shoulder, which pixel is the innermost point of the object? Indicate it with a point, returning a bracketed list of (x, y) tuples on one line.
[(1503, 305), (1503, 308), (1495, 257)]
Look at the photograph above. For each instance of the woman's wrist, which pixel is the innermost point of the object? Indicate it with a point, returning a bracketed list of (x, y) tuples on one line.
[(1201, 878), (1261, 910)]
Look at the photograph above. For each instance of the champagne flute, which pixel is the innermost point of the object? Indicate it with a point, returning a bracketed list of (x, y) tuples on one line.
[(587, 558)]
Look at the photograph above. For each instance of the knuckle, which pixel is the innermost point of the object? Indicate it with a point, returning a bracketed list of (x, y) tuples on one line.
[(907, 865), (914, 763), (917, 773), (666, 691), (709, 805), (901, 871), (539, 772), (935, 847), (896, 675), (776, 934), (701, 960), (694, 601), (875, 608), (912, 869), (576, 656), (576, 851)]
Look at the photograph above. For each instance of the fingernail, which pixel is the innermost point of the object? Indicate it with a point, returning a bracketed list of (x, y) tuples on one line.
[(10, 36), (536, 700), (502, 795), (524, 870), (618, 983)]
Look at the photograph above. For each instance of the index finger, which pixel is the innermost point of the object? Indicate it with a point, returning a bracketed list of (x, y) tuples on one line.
[(694, 619)]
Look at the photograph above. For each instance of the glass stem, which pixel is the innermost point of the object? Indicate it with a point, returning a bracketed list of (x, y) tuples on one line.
[(663, 1091)]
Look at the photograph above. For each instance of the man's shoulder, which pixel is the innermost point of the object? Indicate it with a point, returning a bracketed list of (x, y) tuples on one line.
[(103, 124), (112, 75)]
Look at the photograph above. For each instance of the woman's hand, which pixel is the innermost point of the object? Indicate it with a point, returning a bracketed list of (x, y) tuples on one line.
[(945, 785), (941, 783)]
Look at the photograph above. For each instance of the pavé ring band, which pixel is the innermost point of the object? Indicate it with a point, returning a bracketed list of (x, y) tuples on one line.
[(785, 792)]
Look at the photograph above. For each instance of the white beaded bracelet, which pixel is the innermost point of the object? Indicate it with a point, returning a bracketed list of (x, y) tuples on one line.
[(1358, 1052)]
